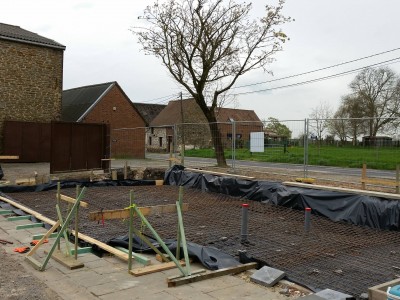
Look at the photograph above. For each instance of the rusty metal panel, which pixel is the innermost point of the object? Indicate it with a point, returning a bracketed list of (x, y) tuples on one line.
[(29, 140), (77, 146), (12, 138), (95, 149), (60, 147)]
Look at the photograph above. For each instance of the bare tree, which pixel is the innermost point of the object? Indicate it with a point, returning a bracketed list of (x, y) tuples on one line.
[(320, 116), (378, 90), (349, 122), (206, 45)]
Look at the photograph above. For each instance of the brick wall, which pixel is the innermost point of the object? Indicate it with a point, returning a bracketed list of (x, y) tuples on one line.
[(30, 83), (115, 109)]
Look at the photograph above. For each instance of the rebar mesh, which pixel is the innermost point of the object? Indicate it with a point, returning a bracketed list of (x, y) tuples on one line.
[(332, 255)]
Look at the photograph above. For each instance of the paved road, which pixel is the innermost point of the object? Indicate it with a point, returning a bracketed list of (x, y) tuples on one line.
[(283, 166)]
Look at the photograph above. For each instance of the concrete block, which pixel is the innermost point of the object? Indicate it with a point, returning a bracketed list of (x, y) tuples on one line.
[(267, 276), (329, 294), (312, 297)]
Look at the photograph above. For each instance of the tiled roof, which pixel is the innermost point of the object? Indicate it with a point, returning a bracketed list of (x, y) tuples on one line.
[(76, 102), (171, 114), (193, 114), (149, 111), (16, 33)]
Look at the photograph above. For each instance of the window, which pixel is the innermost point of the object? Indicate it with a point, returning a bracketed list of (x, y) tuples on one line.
[(152, 130), (150, 140), (160, 141)]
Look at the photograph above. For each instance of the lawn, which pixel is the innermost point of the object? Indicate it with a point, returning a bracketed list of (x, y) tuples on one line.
[(384, 158)]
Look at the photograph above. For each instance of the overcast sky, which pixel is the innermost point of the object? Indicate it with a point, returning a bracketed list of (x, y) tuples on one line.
[(100, 48)]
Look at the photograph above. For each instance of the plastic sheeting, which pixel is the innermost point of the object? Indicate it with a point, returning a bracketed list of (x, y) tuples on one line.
[(361, 210), (71, 184), (210, 257)]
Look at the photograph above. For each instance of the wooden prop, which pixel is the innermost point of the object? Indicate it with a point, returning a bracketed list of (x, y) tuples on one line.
[(42, 267), (176, 281), (124, 213)]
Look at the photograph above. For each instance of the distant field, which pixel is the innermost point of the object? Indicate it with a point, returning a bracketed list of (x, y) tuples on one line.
[(384, 158)]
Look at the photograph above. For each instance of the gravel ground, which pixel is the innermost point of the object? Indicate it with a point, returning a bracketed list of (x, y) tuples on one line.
[(333, 255), (17, 282)]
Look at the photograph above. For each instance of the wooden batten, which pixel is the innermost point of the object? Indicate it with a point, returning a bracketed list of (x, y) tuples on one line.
[(124, 213), (72, 200)]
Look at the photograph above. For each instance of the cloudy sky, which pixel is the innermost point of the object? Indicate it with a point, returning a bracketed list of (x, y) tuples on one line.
[(100, 48)]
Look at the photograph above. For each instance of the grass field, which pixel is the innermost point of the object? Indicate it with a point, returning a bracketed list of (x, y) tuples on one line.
[(384, 158)]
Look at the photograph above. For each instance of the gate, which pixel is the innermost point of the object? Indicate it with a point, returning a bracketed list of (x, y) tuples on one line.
[(29, 140), (78, 146)]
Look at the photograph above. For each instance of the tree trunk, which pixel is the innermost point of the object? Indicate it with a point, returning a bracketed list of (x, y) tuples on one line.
[(217, 143)]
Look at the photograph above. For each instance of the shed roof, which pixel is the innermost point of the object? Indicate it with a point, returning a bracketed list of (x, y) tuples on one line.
[(192, 114), (172, 113), (18, 34), (77, 102), (149, 111)]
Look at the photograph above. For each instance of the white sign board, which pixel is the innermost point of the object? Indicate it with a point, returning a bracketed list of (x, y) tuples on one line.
[(256, 141)]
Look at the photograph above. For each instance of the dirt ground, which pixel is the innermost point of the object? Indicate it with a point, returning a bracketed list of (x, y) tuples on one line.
[(17, 282)]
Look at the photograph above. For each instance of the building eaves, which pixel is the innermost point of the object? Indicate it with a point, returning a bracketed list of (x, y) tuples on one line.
[(18, 34)]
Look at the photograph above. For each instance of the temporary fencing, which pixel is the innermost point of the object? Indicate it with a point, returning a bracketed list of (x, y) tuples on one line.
[(298, 148)]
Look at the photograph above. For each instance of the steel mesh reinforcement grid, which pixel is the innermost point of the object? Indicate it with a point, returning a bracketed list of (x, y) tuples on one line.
[(339, 256)]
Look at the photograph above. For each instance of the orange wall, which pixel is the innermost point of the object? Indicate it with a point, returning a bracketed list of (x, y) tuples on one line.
[(115, 109)]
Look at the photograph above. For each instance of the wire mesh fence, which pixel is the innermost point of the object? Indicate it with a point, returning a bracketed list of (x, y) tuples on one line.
[(331, 149)]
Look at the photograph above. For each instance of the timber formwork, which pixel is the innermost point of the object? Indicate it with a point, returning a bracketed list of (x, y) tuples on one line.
[(333, 255)]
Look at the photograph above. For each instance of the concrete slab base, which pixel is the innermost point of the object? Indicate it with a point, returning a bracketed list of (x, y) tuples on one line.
[(267, 276), (329, 294)]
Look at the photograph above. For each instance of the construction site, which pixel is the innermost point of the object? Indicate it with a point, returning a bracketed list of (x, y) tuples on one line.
[(344, 241)]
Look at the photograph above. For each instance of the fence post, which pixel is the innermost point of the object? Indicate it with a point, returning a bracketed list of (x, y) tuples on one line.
[(363, 176), (175, 139), (305, 159), (233, 144), (183, 144)]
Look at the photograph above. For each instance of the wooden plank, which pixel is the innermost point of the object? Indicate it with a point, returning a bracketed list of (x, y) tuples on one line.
[(39, 236), (343, 190), (6, 212), (27, 226), (84, 237), (18, 218), (155, 268), (25, 181), (145, 210), (387, 182), (218, 173), (72, 200), (160, 259), (9, 157), (51, 230), (67, 261), (138, 257), (36, 264), (174, 281)]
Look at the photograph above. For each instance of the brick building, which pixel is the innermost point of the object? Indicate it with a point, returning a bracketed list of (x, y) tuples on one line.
[(31, 72), (107, 103), (166, 127)]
